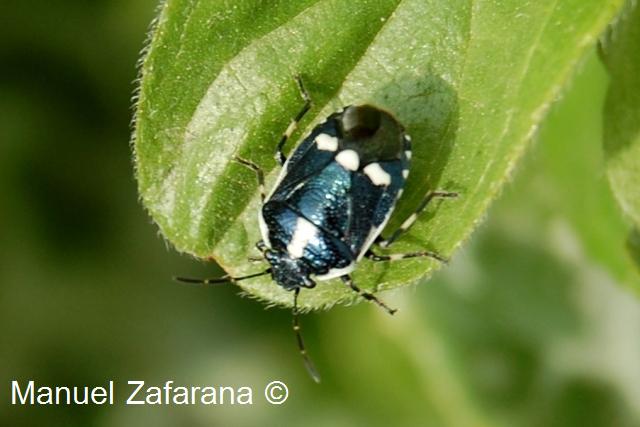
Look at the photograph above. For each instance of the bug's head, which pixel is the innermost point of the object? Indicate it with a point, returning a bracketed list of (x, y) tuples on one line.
[(288, 272), (373, 133)]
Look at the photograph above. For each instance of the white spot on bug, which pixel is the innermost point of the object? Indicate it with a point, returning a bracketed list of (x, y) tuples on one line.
[(396, 257), (304, 232), (407, 154), (400, 191), (407, 137), (405, 173), (337, 272), (376, 174), (326, 142), (348, 159)]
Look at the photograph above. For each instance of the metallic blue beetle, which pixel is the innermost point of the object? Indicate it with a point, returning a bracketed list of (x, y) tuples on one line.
[(334, 196), (332, 200)]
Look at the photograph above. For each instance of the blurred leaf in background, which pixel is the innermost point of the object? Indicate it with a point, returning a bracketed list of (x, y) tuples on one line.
[(525, 327), (620, 50), (528, 326), (622, 118)]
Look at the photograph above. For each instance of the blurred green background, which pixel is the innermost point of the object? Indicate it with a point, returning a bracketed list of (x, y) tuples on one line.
[(528, 326)]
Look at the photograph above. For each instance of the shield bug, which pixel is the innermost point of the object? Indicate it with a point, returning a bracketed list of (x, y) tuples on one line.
[(331, 202)]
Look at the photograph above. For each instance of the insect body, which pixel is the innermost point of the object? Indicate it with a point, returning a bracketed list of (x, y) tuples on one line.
[(332, 200), (334, 196)]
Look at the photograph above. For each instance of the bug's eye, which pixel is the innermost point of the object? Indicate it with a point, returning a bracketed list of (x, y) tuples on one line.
[(361, 121)]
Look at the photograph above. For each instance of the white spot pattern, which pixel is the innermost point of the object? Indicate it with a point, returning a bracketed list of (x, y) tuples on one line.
[(305, 231), (326, 142), (348, 159), (376, 174)]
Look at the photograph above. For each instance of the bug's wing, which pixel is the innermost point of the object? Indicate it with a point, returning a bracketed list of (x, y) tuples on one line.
[(313, 218), (324, 199), (320, 249), (372, 205), (306, 162), (346, 205)]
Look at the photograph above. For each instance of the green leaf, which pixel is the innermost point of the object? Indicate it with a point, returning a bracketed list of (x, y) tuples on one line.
[(633, 246), (569, 193), (471, 81), (622, 110)]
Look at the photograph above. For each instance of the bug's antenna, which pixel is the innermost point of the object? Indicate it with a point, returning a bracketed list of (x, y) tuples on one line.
[(220, 280), (303, 352)]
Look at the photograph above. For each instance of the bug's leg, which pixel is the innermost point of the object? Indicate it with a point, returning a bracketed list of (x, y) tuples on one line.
[(220, 280), (396, 257), (280, 157), (262, 247), (366, 295), (303, 351), (258, 171), (406, 225)]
